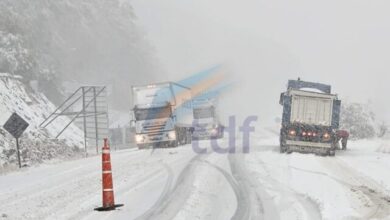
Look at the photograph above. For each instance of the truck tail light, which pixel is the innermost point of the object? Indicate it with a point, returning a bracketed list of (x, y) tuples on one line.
[(304, 134), (314, 134), (309, 133), (292, 132), (326, 136)]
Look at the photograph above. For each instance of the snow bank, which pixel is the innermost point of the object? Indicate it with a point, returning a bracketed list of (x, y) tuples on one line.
[(37, 143), (352, 185), (384, 147)]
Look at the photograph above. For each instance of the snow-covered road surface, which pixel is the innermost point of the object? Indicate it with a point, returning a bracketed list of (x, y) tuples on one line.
[(179, 184)]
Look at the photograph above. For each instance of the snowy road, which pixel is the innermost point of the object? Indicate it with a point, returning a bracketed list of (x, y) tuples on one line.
[(179, 184)]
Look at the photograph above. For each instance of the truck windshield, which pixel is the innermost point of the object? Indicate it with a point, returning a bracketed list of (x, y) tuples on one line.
[(203, 112), (152, 113)]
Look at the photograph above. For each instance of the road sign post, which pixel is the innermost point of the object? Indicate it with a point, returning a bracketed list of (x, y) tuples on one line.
[(18, 151), (16, 125)]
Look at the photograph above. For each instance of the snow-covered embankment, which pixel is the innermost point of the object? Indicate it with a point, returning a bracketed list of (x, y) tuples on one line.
[(37, 144)]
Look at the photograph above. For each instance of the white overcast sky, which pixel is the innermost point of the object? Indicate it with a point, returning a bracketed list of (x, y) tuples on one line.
[(265, 43)]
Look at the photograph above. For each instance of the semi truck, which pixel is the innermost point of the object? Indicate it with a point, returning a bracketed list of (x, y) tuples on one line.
[(310, 121), (162, 115), (206, 123)]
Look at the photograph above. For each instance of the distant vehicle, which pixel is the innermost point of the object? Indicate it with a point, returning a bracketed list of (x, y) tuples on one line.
[(162, 114), (310, 119), (206, 122)]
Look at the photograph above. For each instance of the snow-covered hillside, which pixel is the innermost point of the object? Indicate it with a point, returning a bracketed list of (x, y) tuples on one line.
[(36, 143), (91, 41)]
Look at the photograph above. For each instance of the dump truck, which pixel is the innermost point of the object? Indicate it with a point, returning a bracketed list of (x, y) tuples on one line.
[(310, 121), (206, 123), (162, 115)]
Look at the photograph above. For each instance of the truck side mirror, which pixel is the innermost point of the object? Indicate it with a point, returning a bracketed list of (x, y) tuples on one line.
[(132, 123), (281, 99), (132, 120)]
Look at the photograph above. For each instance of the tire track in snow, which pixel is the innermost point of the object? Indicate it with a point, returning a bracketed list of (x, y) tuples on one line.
[(170, 201), (379, 197), (166, 191), (72, 195), (310, 207), (243, 203), (259, 203), (59, 179), (153, 171), (362, 185), (80, 199)]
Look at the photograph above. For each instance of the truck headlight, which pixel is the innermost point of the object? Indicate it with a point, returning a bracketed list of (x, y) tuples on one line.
[(139, 138), (172, 135), (214, 131)]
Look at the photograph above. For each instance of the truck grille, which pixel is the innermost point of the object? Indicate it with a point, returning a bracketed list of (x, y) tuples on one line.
[(202, 127), (154, 130)]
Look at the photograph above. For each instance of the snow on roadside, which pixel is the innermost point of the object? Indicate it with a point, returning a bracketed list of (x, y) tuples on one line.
[(72, 189), (305, 176), (37, 143), (370, 159), (384, 147), (339, 186)]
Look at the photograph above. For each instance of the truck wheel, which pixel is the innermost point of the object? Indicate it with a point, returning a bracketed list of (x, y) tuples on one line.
[(332, 153), (189, 137), (344, 143), (220, 135), (142, 146), (174, 144), (337, 146), (182, 139), (283, 148), (181, 136)]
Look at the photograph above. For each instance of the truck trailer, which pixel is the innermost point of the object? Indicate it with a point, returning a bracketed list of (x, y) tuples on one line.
[(311, 115), (162, 115), (206, 122)]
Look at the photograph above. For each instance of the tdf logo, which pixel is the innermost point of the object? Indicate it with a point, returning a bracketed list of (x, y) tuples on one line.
[(245, 129)]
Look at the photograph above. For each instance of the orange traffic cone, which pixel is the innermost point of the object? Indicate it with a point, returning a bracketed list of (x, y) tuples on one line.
[(108, 188)]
